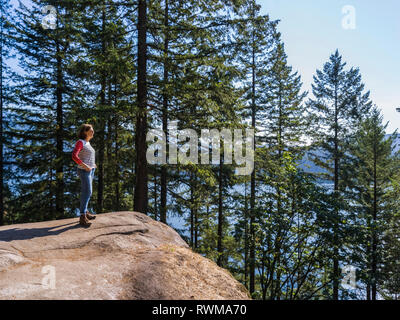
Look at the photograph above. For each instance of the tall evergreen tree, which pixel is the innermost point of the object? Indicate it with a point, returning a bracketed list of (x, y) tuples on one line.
[(339, 103), (285, 130), (369, 183), (40, 110), (389, 284), (256, 37)]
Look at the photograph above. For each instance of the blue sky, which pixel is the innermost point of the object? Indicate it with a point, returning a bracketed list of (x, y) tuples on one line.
[(312, 30)]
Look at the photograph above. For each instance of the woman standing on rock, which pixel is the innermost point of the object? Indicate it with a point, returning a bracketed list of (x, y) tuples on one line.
[(84, 155)]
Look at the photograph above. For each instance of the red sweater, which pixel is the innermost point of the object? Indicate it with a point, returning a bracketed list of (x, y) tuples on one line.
[(75, 152)]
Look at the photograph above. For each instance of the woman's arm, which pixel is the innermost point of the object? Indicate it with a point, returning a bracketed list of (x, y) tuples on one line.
[(75, 152)]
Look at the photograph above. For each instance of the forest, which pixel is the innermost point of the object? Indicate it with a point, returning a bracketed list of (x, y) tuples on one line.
[(322, 195)]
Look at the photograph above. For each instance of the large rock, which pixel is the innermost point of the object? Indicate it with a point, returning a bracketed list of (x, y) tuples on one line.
[(123, 255)]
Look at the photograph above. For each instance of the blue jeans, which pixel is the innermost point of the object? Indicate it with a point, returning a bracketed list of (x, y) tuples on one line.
[(86, 188)]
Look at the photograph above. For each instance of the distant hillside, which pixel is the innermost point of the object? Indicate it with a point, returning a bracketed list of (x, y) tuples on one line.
[(309, 166)]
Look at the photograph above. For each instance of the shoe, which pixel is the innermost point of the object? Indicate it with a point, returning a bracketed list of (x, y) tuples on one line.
[(83, 220), (90, 216)]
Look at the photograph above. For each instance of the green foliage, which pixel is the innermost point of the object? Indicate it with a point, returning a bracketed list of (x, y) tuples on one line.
[(373, 204)]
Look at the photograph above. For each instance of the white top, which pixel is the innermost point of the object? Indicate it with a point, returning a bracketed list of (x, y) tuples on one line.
[(87, 154)]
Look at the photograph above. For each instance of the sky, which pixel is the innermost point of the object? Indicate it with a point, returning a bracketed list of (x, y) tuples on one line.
[(313, 29)]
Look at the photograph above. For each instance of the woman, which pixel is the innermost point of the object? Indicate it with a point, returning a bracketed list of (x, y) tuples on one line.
[(84, 155)]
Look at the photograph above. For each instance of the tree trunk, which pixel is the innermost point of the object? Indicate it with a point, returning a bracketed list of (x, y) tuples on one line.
[(279, 200), (59, 135), (196, 228), (336, 191), (253, 177), (155, 195), (101, 134), (163, 207), (220, 248), (1, 126), (374, 240), (191, 210), (116, 162), (141, 185), (246, 239)]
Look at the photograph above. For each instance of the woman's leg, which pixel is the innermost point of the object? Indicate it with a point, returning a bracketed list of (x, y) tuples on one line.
[(91, 175), (86, 190)]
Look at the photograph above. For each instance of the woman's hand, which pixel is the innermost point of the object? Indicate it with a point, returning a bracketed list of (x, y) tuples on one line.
[(87, 168)]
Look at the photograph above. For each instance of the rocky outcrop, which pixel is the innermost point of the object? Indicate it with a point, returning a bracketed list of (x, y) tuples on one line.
[(123, 255)]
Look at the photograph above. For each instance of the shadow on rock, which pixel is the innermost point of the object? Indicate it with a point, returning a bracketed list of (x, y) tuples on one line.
[(26, 234)]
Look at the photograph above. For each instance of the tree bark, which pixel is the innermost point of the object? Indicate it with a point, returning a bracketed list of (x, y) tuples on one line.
[(253, 181), (220, 248), (101, 134), (59, 133), (116, 169), (336, 192), (374, 238), (1, 126), (191, 210), (163, 205), (246, 239), (141, 185)]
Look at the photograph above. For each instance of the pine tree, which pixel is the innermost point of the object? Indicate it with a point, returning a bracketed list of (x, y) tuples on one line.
[(256, 36), (339, 103), (369, 183), (284, 135), (389, 284), (39, 112)]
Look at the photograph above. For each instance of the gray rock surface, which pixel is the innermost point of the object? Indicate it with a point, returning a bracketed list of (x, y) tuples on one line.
[(123, 255)]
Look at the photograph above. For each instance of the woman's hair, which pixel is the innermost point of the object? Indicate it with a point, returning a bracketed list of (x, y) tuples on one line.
[(82, 133)]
